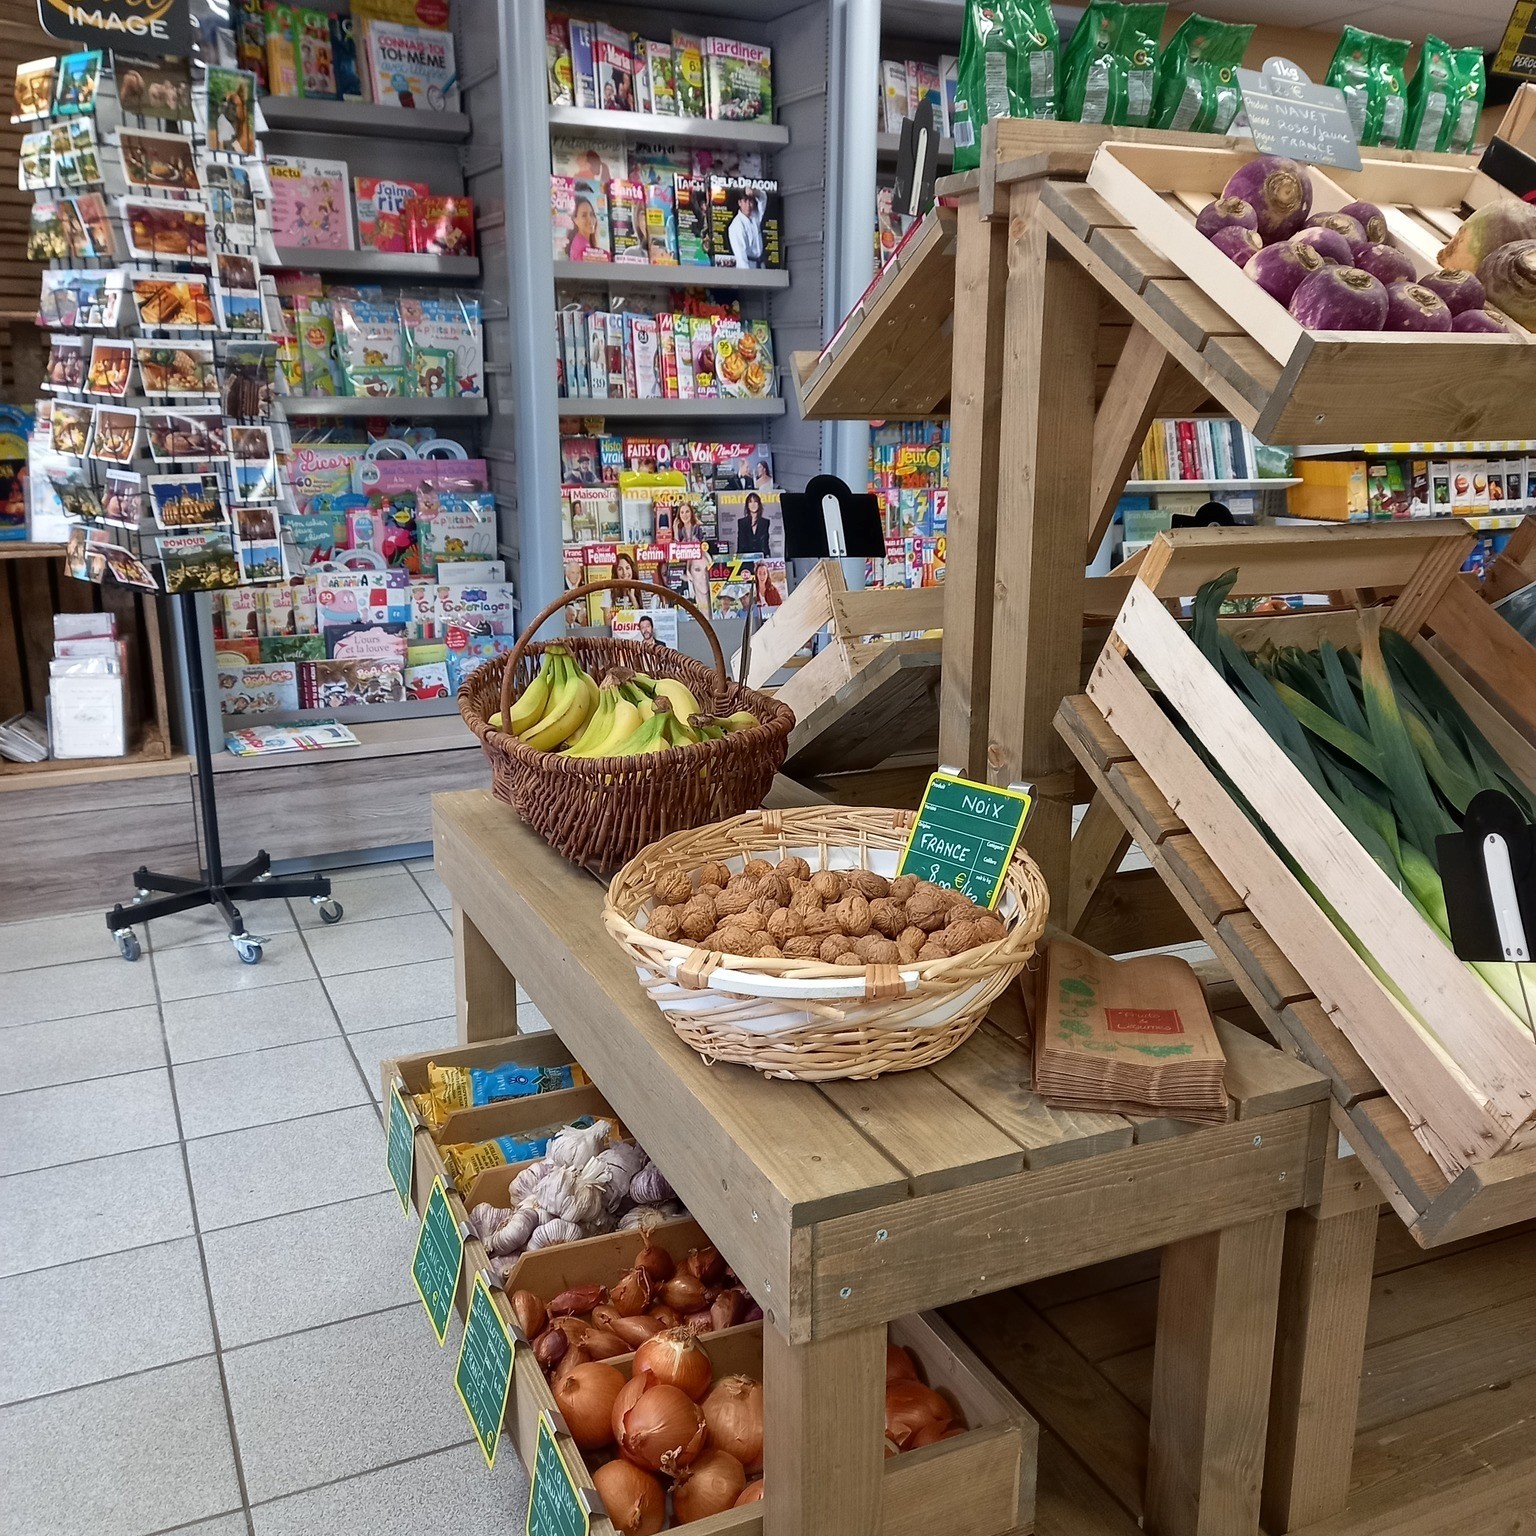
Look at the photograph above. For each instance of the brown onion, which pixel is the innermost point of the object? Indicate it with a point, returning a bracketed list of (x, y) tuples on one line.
[(701, 1322), (656, 1262), (909, 1407), (931, 1434), (603, 1344), (898, 1364), (636, 1330), (586, 1397), (550, 1347), (662, 1430), (668, 1317), (605, 1316), (733, 1412), (633, 1388), (706, 1263), (684, 1291), (529, 1312), (575, 1300), (577, 1354), (675, 1360), (728, 1308), (633, 1293), (574, 1328), (633, 1499), (712, 1484), (750, 1494)]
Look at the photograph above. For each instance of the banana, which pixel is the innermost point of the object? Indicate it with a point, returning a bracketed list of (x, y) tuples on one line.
[(569, 711), (678, 696), (742, 720), (534, 699), (645, 682), (597, 726), (626, 721)]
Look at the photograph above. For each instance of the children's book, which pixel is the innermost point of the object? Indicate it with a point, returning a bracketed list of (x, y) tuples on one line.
[(311, 203), (412, 67), (381, 211)]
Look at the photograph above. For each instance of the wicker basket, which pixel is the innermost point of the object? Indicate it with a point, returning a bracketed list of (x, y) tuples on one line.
[(601, 811), (803, 1019)]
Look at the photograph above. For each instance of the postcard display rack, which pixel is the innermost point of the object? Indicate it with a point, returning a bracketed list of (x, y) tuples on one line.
[(149, 213), (1078, 313)]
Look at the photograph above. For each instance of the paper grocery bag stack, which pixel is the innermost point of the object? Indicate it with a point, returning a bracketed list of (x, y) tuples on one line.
[(1125, 1036)]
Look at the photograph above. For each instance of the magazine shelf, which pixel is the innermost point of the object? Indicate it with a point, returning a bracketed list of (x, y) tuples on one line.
[(362, 407), (669, 410), (645, 274), (362, 119), (376, 263), (653, 128), (1150, 486)]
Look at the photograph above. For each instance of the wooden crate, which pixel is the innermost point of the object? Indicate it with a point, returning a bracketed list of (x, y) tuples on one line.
[(1368, 386), (1468, 1089), (870, 691)]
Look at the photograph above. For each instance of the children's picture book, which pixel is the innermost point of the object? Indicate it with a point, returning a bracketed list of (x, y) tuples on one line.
[(440, 226), (199, 562), (159, 88), (158, 161), (231, 104), (34, 88), (256, 688), (177, 368), (412, 67), (186, 501), (336, 684), (111, 367), (311, 202), (738, 80), (75, 92), (381, 211)]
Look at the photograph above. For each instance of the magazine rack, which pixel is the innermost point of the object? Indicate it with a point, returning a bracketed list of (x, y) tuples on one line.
[(165, 895)]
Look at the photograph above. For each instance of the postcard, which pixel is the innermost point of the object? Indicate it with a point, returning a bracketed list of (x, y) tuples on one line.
[(88, 226), (122, 498), (71, 427), (75, 161), (163, 228), (250, 374), (231, 98), (75, 91), (111, 367), (241, 313), (66, 363), (163, 161), (260, 547), (231, 205), (199, 562), (239, 271), (177, 368), (255, 479), (83, 557), (77, 494), (187, 501), (154, 87), (126, 567), (191, 434), (34, 88), (46, 238), (174, 303), (116, 438), (36, 163)]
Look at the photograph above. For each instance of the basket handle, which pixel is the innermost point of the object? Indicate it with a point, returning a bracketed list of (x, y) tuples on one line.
[(677, 598)]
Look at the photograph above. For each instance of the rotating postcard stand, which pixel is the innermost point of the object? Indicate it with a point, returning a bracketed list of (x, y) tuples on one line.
[(165, 895)]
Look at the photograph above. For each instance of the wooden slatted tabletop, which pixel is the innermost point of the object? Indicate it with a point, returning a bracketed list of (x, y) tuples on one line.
[(845, 1205)]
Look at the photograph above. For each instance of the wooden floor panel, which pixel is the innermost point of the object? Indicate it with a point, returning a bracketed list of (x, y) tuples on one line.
[(1447, 1437)]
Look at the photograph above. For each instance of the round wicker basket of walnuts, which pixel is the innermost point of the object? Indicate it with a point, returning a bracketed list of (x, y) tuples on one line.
[(788, 942)]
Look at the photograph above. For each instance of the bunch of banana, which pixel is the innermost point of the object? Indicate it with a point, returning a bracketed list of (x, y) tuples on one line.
[(556, 706)]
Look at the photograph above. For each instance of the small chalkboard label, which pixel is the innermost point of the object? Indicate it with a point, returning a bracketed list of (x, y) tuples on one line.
[(1517, 49), (555, 1504), (401, 1144), (964, 836), (439, 1258), (484, 1375), (1291, 116)]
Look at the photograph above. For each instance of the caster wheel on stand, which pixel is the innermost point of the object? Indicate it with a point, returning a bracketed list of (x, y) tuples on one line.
[(249, 950), (328, 907), (128, 944)]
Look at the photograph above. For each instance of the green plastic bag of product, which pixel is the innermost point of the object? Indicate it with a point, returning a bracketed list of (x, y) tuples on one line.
[(1387, 98), (1471, 89), (1110, 65), (1197, 89), (1430, 109), (1350, 72), (1007, 68)]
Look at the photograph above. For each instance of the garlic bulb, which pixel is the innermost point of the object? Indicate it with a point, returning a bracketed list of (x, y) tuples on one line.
[(575, 1145), (612, 1171), (553, 1232), (511, 1237), (485, 1218), (564, 1194), (649, 1187), (642, 1216), (500, 1269), (526, 1180)]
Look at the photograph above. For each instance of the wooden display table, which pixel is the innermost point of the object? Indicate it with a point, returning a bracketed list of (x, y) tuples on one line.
[(845, 1205)]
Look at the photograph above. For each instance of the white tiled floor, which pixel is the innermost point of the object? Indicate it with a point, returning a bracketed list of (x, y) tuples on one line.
[(191, 1153)]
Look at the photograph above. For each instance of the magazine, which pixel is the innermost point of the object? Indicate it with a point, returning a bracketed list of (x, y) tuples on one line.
[(738, 80), (311, 202), (381, 211), (266, 740), (412, 67)]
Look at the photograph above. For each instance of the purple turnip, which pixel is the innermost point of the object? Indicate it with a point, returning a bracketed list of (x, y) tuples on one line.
[(1280, 269), (1341, 224), (1328, 243), (1478, 322), (1280, 192), (1509, 277), (1385, 263), (1226, 213), (1413, 307), (1240, 244), (1494, 225), (1460, 290), (1340, 299), (1370, 218)]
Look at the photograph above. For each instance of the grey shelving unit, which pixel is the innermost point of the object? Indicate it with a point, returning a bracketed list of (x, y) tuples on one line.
[(362, 119), (652, 128), (675, 410), (361, 408), (645, 274), (381, 264)]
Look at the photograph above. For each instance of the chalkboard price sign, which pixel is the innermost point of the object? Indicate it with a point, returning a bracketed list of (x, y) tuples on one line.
[(402, 1145), (439, 1258), (1290, 116), (555, 1504), (484, 1375), (964, 836)]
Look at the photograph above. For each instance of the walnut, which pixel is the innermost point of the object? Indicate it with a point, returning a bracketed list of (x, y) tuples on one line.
[(888, 917), (833, 946), (736, 897), (827, 884), (852, 916), (875, 950), (912, 938), (868, 884), (767, 949), (902, 887), (805, 902), (959, 936), (848, 957), (715, 873), (695, 923), (752, 920), (765, 905), (803, 948), (704, 904), (672, 887), (793, 868), (664, 923), (709, 888), (990, 928), (908, 951), (957, 901), (784, 924), (773, 888), (732, 941), (757, 868), (934, 949), (821, 923), (927, 910)]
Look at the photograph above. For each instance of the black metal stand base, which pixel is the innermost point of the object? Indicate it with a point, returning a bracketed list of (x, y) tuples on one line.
[(166, 895)]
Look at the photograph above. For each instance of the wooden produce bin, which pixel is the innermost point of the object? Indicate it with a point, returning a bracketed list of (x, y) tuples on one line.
[(845, 1206)]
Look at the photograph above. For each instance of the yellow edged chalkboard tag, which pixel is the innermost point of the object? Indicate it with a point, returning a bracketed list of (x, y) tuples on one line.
[(965, 835), (484, 1375), (438, 1260), (555, 1504), (401, 1144)]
